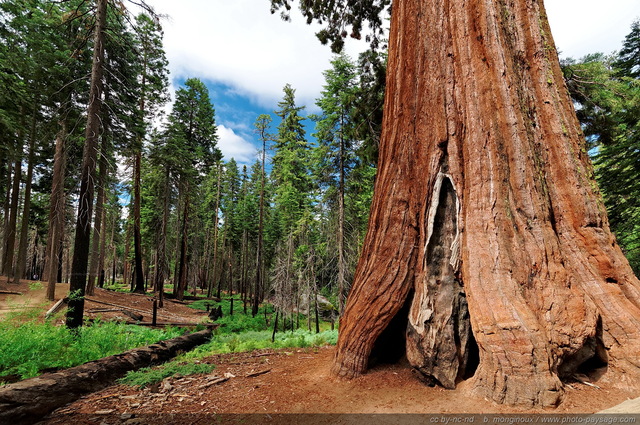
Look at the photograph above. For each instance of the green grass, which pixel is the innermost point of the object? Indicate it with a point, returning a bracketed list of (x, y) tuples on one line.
[(150, 375), (189, 363), (28, 347), (258, 340), (238, 322), (119, 286), (239, 332), (34, 286)]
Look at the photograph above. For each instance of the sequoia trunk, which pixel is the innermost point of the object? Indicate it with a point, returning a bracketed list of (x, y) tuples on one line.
[(487, 214)]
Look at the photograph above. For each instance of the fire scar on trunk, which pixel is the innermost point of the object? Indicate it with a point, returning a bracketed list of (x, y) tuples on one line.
[(440, 344)]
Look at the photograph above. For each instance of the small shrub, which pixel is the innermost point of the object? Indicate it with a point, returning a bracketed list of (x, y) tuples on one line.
[(34, 286)]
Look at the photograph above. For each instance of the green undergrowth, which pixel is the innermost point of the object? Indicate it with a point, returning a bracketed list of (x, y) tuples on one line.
[(189, 363), (151, 375), (118, 286), (29, 346), (259, 340), (238, 321)]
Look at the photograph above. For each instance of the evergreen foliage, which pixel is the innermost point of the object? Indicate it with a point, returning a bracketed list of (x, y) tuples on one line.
[(606, 91), (339, 16)]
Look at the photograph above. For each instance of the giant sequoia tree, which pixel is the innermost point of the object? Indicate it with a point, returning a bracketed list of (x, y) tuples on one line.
[(488, 241)]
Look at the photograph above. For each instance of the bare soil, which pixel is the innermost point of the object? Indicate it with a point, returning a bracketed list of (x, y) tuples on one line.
[(287, 381), (299, 381), (103, 304)]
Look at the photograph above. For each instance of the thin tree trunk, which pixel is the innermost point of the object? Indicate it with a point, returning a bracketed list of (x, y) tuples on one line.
[(231, 264), (275, 326), (215, 234), (484, 184), (98, 232), (10, 230), (56, 213), (183, 262), (137, 172), (125, 261), (162, 243), (79, 266), (21, 260), (342, 265), (244, 270), (61, 250), (103, 250), (137, 243), (5, 171), (259, 285), (6, 208)]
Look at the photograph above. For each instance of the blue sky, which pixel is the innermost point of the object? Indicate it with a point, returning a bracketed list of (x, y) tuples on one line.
[(245, 55)]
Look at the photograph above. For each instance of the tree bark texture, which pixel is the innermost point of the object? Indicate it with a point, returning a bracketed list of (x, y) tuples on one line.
[(10, 230), (486, 216), (29, 400), (183, 265), (56, 213), (98, 224), (342, 264), (82, 239), (137, 238), (21, 259)]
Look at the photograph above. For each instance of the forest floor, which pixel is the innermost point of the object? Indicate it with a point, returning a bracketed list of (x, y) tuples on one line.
[(299, 381), (104, 304), (274, 381)]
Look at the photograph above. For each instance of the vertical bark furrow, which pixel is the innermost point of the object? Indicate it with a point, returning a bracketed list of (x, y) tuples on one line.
[(547, 288)]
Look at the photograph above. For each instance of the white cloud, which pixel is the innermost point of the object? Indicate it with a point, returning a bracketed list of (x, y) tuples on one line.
[(580, 27), (241, 44), (235, 146)]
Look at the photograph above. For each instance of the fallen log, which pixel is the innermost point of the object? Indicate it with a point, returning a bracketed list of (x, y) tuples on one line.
[(3, 292), (29, 400), (122, 307), (175, 324), (135, 316), (212, 383), (104, 310), (56, 307), (254, 374)]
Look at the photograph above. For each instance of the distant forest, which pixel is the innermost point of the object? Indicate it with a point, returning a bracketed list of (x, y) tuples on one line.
[(168, 213)]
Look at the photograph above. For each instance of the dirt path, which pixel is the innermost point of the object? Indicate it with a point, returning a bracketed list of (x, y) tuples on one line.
[(34, 296), (299, 381)]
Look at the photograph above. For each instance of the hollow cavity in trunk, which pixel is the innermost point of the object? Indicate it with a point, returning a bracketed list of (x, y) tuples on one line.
[(440, 344)]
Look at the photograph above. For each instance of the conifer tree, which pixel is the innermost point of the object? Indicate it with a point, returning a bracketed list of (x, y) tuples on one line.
[(292, 198), (291, 163), (334, 131), (262, 129), (191, 138), (607, 94), (153, 80)]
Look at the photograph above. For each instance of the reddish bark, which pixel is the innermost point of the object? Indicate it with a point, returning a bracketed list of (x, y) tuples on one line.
[(476, 100)]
